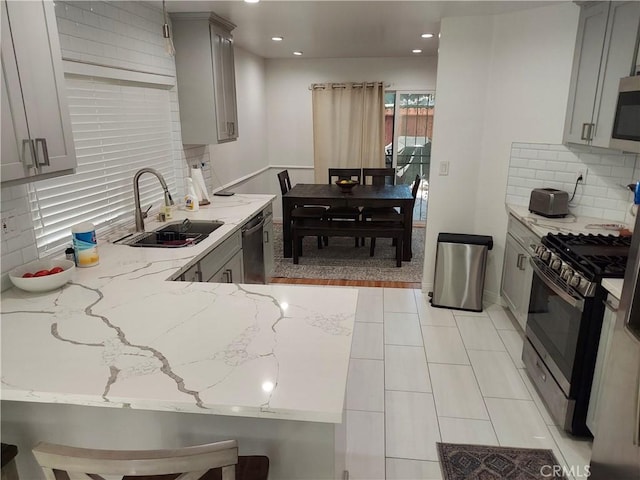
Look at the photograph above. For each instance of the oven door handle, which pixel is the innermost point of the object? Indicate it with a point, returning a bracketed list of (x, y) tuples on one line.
[(567, 297)]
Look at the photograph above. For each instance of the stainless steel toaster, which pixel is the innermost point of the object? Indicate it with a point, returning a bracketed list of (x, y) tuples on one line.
[(549, 202)]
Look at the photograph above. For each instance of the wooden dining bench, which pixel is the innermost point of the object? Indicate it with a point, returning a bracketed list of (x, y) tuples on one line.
[(310, 227)]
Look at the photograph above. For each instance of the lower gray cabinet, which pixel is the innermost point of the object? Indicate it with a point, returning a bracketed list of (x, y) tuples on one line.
[(231, 272), (268, 246), (223, 264), (192, 274), (517, 273), (606, 335)]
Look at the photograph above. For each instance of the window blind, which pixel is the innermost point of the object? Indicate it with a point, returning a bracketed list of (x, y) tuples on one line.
[(118, 128)]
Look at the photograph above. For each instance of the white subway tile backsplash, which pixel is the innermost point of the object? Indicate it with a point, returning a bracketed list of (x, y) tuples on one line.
[(564, 176), (622, 172), (527, 153), (555, 166), (545, 175), (548, 155), (11, 260)]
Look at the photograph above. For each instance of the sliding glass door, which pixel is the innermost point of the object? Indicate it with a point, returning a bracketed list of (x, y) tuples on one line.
[(408, 134)]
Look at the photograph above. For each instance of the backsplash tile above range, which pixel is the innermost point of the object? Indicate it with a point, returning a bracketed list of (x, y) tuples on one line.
[(602, 195)]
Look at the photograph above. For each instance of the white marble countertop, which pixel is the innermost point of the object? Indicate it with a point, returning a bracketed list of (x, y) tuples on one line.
[(541, 226), (613, 286), (121, 335)]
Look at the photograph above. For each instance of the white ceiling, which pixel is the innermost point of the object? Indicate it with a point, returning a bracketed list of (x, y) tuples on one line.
[(335, 28)]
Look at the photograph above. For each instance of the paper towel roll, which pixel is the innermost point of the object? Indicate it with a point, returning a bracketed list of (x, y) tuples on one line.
[(198, 182)]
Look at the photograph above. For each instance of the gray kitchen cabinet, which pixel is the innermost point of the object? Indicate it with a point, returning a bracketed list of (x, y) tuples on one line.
[(192, 274), (37, 140), (222, 258), (267, 244), (231, 272), (223, 264), (206, 78), (606, 335), (605, 52), (517, 273)]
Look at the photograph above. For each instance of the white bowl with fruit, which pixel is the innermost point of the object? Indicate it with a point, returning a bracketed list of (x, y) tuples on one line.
[(42, 275)]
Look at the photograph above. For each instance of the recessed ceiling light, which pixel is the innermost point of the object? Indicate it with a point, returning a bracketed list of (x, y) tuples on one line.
[(427, 35), (277, 39), (416, 50), (297, 53), (251, 1)]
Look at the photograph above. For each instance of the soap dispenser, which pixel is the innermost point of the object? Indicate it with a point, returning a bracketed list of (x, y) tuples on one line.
[(191, 199)]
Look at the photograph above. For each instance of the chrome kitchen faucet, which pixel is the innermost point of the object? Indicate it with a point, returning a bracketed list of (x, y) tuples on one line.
[(136, 195)]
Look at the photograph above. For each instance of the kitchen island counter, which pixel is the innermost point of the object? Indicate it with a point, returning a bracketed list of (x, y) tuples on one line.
[(120, 335)]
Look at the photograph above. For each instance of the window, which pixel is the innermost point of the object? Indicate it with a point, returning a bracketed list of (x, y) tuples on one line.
[(118, 128)]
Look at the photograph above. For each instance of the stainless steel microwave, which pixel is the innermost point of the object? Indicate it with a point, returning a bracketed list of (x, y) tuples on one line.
[(626, 124)]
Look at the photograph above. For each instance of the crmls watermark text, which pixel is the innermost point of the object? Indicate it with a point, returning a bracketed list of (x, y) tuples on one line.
[(551, 471)]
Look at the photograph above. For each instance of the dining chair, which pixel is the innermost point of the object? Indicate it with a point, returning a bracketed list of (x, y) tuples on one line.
[(378, 176), (345, 174), (300, 212), (344, 213), (391, 214), (218, 460)]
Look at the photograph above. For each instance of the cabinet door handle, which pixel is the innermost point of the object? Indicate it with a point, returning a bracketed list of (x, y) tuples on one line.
[(543, 374), (583, 135), (228, 273), (520, 262), (45, 151), (589, 127), (266, 237), (29, 144)]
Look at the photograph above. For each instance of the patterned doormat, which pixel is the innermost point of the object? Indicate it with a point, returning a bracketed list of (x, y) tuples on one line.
[(482, 462), (343, 261)]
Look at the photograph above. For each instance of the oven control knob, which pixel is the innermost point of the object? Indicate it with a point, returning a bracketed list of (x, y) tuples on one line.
[(566, 274), (575, 280), (545, 256), (556, 264)]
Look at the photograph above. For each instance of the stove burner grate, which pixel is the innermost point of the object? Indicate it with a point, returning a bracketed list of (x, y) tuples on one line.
[(595, 256)]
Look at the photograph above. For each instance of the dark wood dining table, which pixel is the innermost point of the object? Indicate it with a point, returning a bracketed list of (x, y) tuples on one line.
[(360, 196)]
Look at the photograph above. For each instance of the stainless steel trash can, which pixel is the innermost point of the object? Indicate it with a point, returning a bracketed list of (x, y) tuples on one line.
[(461, 262)]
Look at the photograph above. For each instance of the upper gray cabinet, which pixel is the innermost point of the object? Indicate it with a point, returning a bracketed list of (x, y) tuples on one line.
[(606, 49), (37, 141), (206, 78)]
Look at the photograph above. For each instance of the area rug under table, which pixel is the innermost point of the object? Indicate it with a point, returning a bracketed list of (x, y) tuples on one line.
[(342, 260), (483, 462)]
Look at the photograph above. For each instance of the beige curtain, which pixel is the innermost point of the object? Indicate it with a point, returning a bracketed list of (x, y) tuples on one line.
[(348, 126)]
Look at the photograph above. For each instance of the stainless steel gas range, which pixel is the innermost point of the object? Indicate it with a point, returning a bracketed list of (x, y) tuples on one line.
[(564, 320)]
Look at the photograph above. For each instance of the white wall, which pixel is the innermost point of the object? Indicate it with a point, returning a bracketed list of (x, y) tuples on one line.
[(289, 118), (501, 79)]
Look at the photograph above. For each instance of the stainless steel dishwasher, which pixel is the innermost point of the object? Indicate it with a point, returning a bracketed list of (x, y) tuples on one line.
[(252, 250)]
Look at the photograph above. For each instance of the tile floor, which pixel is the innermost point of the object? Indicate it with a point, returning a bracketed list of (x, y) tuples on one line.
[(419, 375)]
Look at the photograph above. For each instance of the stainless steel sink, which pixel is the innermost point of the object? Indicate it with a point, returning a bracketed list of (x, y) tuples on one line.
[(176, 234), (202, 227)]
